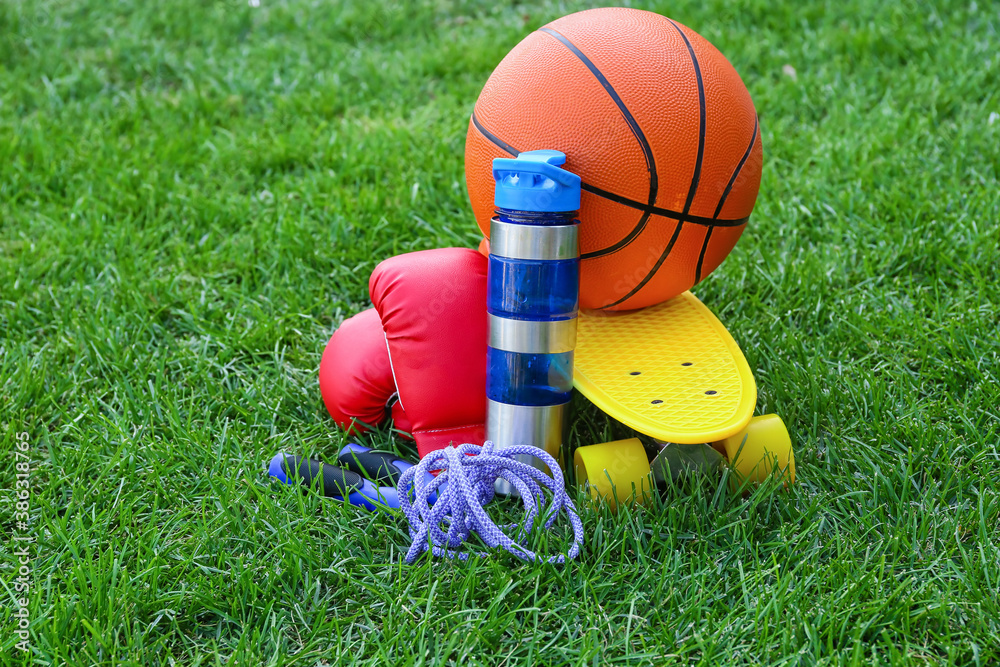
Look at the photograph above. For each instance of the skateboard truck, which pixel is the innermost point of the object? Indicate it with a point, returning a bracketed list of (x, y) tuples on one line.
[(619, 471)]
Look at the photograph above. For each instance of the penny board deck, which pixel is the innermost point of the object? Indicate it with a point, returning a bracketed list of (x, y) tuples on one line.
[(671, 371)]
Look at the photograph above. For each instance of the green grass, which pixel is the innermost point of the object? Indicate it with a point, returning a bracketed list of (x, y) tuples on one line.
[(192, 197)]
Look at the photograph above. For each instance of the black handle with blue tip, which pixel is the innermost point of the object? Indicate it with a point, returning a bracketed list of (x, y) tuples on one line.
[(383, 467), (363, 478)]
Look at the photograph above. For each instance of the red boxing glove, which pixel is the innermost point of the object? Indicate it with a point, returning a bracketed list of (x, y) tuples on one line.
[(355, 377), (432, 305)]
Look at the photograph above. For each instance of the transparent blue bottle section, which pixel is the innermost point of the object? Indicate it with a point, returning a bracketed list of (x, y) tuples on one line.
[(539, 291), (542, 289), (529, 379)]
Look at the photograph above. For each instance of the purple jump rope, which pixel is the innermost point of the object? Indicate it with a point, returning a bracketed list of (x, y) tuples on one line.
[(465, 484)]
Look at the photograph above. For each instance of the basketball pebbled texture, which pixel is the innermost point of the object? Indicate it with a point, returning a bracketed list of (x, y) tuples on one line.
[(656, 122)]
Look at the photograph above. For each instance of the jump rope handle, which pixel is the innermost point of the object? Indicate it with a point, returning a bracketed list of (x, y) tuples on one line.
[(382, 467), (363, 478)]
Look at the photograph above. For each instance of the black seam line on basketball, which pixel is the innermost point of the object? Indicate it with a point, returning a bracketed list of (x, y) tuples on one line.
[(633, 124), (694, 178), (722, 200), (664, 212), (652, 272), (641, 225), (739, 168), (701, 257), (610, 196), (701, 120), (497, 141)]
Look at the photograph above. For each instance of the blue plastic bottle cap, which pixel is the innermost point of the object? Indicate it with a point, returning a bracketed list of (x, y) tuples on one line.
[(534, 182)]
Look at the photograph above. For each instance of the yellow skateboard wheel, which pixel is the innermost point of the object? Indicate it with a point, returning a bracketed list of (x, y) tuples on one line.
[(615, 471), (760, 450)]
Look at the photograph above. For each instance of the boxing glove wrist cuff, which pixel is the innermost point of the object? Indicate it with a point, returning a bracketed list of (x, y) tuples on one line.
[(439, 438)]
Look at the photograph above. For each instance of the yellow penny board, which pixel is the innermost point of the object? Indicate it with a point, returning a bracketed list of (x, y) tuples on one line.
[(671, 371)]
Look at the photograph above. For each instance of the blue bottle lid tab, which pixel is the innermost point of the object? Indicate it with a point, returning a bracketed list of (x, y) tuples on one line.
[(534, 182)]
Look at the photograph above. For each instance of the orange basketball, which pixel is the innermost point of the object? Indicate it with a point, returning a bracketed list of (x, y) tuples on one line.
[(659, 126)]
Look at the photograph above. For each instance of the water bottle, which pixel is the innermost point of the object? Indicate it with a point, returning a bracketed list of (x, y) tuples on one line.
[(532, 302)]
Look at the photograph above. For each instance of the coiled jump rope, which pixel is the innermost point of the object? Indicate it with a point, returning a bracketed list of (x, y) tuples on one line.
[(464, 484)]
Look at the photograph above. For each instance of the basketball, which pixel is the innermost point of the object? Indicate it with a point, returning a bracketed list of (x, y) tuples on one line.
[(656, 122)]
